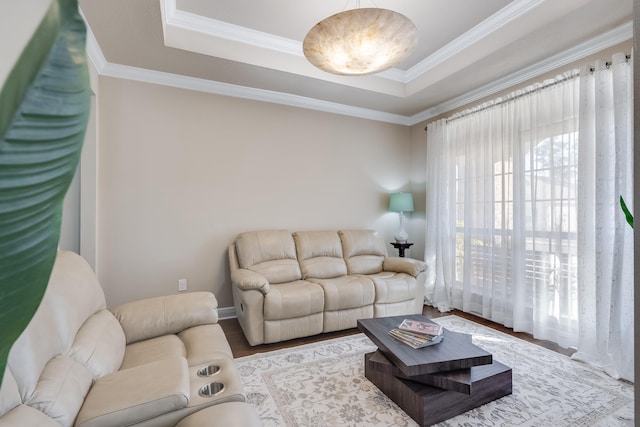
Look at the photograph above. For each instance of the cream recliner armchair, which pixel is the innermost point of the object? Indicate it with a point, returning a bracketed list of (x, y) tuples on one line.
[(79, 364), (289, 285)]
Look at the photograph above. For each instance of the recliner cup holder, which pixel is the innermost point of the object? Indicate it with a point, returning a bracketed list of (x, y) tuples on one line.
[(211, 389), (208, 370)]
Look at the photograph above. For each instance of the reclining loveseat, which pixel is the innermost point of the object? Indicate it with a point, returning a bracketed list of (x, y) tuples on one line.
[(289, 285), (158, 362)]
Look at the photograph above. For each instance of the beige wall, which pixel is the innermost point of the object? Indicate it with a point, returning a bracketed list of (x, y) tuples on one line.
[(181, 173), (20, 19)]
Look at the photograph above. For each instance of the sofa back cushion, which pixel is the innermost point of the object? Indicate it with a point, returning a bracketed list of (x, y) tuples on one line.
[(100, 344), (364, 251), (73, 294), (319, 254), (47, 379), (68, 341), (33, 349), (61, 389), (271, 253), (9, 394)]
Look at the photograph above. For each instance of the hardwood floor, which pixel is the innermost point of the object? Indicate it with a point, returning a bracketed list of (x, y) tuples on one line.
[(241, 347)]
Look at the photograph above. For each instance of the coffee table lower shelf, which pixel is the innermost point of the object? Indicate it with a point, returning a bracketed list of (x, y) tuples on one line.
[(429, 405)]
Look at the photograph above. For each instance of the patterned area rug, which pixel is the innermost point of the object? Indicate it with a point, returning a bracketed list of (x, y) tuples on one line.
[(323, 384)]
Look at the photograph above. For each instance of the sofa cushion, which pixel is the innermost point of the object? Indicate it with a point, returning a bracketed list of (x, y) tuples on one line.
[(346, 292), (99, 344), (74, 286), (394, 287), (9, 394), (271, 253), (136, 394), (364, 251), (153, 349), (319, 254), (61, 389), (339, 320), (26, 416), (293, 299), (33, 349), (288, 329)]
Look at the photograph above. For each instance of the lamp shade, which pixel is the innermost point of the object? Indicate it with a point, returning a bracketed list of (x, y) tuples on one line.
[(360, 41), (401, 202)]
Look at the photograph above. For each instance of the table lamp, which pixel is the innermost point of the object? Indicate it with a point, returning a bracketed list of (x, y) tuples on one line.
[(401, 202)]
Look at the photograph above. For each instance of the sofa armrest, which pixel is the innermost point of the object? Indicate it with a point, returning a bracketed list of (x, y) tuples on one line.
[(410, 266), (247, 280), (154, 317), (136, 394)]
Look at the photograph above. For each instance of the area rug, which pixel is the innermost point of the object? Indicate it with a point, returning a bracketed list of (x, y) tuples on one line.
[(323, 384)]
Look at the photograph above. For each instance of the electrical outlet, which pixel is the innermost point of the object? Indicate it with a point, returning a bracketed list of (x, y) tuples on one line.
[(182, 285)]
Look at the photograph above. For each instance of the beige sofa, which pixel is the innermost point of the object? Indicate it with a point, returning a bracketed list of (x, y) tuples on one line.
[(289, 285), (78, 363)]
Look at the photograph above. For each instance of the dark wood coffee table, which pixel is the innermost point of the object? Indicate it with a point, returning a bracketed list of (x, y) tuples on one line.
[(434, 383)]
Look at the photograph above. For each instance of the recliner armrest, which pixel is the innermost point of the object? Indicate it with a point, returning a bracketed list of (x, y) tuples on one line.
[(409, 266), (154, 317), (136, 394), (246, 279)]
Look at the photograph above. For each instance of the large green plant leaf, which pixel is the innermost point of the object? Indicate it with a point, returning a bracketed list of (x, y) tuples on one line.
[(625, 210), (44, 107)]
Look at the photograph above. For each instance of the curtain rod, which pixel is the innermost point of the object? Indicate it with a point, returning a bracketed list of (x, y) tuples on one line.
[(543, 86), (508, 98), (608, 64)]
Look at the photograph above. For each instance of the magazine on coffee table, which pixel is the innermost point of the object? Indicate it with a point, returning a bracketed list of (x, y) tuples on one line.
[(423, 328), (414, 340), (417, 334)]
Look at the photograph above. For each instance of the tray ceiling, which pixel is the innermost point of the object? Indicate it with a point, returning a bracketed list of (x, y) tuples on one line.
[(253, 49)]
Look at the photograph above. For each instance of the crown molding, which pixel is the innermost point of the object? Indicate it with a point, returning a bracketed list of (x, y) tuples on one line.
[(236, 91), (493, 23), (592, 46), (174, 17), (94, 53), (618, 35), (224, 30)]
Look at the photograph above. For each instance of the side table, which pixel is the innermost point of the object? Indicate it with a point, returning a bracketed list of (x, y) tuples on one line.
[(401, 247)]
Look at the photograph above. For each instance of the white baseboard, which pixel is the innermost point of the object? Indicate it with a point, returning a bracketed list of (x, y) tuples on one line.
[(227, 312)]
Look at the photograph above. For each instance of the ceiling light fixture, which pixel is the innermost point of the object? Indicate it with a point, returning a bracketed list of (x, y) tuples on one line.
[(360, 41)]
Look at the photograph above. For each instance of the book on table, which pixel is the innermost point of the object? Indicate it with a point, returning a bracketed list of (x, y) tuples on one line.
[(417, 334)]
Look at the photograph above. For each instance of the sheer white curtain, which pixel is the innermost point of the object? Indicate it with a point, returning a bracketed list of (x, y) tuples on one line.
[(606, 240), (440, 250), (508, 237), (501, 209)]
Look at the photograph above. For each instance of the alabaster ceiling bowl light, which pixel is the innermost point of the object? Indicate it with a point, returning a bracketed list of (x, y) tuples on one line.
[(360, 41)]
